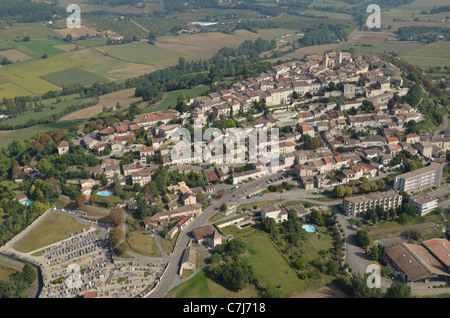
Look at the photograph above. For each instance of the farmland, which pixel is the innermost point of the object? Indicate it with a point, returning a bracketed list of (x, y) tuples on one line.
[(52, 107), (73, 75), (434, 54), (141, 53), (124, 97)]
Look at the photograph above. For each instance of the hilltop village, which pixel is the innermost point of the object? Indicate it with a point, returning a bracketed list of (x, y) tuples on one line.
[(339, 121)]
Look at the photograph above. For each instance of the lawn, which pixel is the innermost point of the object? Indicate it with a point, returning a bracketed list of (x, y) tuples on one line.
[(6, 269), (54, 228), (270, 266), (202, 286), (143, 244), (249, 206)]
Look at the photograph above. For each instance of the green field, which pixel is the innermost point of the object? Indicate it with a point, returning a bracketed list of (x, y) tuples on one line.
[(54, 228), (20, 30), (142, 53), (170, 98), (45, 46), (270, 266), (8, 136), (143, 244), (51, 108), (25, 78), (434, 54), (73, 75), (202, 286)]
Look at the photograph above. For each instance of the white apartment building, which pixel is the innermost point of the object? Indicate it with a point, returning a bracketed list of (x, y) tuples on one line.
[(360, 204), (420, 179)]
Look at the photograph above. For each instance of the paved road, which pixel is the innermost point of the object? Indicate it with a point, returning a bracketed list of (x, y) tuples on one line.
[(171, 278)]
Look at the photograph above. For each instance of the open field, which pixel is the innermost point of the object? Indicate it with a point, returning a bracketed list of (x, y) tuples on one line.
[(73, 75), (25, 78), (51, 108), (263, 256), (15, 56), (8, 136), (36, 31), (69, 47), (142, 53), (108, 66), (143, 244), (434, 54), (205, 45), (7, 269), (77, 32), (170, 98), (45, 46), (54, 228), (202, 286), (124, 97)]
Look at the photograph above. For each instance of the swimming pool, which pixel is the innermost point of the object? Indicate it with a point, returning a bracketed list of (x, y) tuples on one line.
[(28, 202), (308, 228), (104, 193), (285, 119)]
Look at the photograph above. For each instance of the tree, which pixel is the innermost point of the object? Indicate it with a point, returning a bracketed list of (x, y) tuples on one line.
[(80, 200), (316, 218), (200, 197), (28, 274), (268, 224), (271, 292), (223, 207), (360, 288), (363, 238), (300, 264), (398, 290), (116, 235), (216, 258), (220, 193), (118, 216)]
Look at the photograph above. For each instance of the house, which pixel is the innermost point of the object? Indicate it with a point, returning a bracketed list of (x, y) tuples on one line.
[(189, 199), (145, 152), (189, 260), (279, 214), (207, 235), (63, 147)]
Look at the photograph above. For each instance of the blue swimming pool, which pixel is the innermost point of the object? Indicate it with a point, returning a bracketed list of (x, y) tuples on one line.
[(308, 228), (104, 193), (28, 202), (285, 119)]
